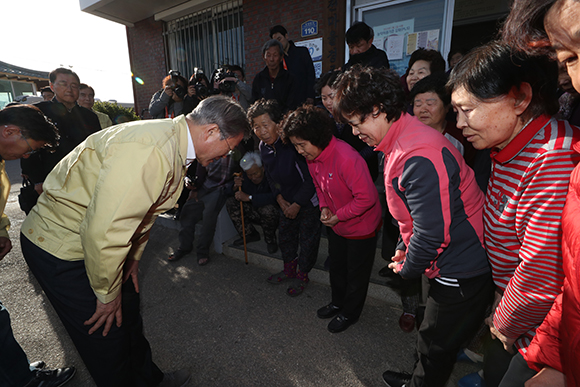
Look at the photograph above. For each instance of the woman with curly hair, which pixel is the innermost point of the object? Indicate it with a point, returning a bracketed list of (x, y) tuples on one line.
[(434, 197)]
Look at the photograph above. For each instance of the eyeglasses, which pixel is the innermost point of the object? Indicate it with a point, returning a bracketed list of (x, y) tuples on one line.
[(31, 151), (231, 152)]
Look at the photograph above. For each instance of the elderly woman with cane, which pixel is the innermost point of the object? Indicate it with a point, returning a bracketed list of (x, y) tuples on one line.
[(294, 190)]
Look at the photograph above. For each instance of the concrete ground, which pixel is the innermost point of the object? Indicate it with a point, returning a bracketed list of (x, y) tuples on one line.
[(222, 322)]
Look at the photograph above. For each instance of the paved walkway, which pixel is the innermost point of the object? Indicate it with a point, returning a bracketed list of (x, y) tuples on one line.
[(222, 322)]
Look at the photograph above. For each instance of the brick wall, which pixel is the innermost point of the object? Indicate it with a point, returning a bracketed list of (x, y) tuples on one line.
[(260, 15), (147, 53), (147, 58)]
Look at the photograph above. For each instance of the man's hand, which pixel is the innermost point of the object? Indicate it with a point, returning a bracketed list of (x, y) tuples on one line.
[(292, 211), (5, 246), (38, 188), (397, 259), (106, 314), (547, 377), (192, 195), (131, 269), (191, 90)]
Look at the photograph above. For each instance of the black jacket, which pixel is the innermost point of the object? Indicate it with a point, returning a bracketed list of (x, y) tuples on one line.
[(73, 126), (372, 57), (283, 89), (300, 65)]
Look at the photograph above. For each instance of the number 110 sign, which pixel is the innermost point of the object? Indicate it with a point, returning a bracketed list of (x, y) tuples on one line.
[(309, 28)]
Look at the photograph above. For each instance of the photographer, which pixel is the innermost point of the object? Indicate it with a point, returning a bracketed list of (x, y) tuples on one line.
[(198, 87), (169, 101), (230, 80)]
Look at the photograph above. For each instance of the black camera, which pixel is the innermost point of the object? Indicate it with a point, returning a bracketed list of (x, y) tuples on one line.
[(200, 81), (180, 91), (225, 87)]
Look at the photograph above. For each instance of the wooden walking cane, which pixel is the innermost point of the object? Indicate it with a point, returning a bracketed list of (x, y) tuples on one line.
[(243, 225)]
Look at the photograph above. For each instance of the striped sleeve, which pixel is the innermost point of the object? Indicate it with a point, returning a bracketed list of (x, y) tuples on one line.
[(532, 288)]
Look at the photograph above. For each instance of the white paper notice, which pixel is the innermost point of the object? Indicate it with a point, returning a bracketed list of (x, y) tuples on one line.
[(394, 46)]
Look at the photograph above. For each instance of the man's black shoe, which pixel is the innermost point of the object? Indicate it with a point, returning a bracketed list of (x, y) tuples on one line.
[(51, 378), (272, 247), (178, 255), (328, 311), (249, 239), (340, 323), (396, 379), (38, 364)]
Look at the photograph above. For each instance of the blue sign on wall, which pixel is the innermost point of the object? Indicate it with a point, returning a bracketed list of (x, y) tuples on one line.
[(309, 28)]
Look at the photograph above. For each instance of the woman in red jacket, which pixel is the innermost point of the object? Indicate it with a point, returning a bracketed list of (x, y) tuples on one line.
[(551, 27), (349, 206)]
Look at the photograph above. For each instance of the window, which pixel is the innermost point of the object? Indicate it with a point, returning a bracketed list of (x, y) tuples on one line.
[(411, 16), (5, 93), (206, 39)]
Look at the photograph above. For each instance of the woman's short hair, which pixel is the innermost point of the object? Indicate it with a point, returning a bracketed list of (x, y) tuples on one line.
[(490, 71), (435, 59), (327, 79), (434, 83), (309, 123), (32, 123), (250, 159), (265, 106), (360, 89), (524, 26)]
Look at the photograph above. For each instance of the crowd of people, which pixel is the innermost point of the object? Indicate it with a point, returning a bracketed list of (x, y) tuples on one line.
[(480, 177)]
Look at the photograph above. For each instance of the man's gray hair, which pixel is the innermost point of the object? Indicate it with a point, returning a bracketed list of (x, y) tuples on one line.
[(272, 43), (223, 111), (250, 159)]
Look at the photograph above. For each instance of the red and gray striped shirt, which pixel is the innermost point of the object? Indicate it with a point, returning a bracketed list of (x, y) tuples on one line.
[(522, 223)]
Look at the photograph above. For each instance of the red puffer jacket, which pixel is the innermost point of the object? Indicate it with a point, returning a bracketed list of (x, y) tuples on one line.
[(557, 340)]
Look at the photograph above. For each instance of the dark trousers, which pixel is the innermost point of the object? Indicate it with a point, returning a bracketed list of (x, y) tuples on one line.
[(207, 207), (14, 369), (123, 357), (500, 368), (267, 216), (304, 230), (351, 264), (518, 372), (452, 316)]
